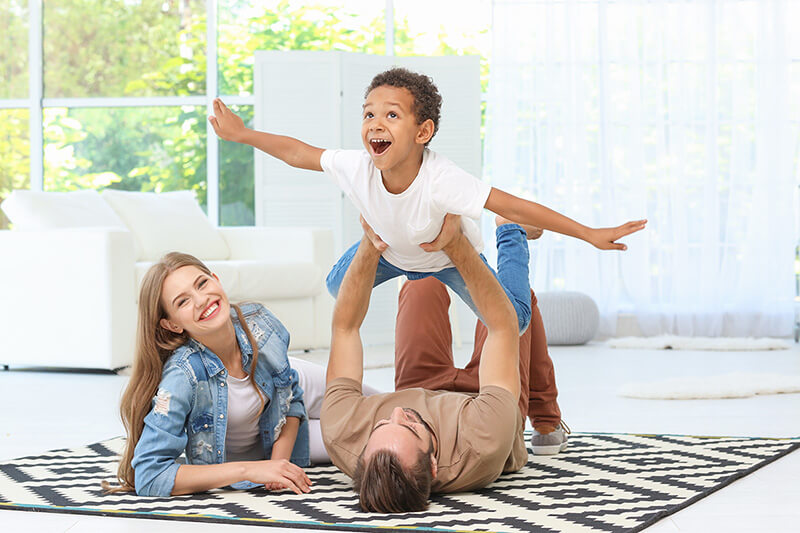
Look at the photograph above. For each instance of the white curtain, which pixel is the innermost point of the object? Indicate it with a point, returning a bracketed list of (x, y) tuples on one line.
[(684, 113)]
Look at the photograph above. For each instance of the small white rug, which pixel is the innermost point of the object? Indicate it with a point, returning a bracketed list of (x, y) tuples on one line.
[(672, 342), (735, 385)]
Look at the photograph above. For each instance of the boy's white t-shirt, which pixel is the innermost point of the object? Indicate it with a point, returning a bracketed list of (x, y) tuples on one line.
[(415, 216)]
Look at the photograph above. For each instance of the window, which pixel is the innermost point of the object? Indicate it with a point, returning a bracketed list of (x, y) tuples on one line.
[(247, 26), (122, 102), (14, 115), (14, 60), (127, 148), (422, 27), (14, 154), (130, 48)]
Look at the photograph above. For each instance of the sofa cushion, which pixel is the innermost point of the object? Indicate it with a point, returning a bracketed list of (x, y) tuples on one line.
[(166, 222), (253, 280), (37, 210)]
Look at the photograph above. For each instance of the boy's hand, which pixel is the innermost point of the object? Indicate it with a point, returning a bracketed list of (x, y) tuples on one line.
[(376, 241), (449, 234), (226, 123), (605, 238)]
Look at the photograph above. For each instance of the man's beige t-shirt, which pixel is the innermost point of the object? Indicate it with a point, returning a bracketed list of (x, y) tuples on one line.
[(479, 437)]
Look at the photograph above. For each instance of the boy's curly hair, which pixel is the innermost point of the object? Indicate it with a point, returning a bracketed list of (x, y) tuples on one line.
[(427, 100)]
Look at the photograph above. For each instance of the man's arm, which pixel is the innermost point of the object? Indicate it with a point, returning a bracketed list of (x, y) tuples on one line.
[(347, 353), (230, 127), (525, 212), (499, 364)]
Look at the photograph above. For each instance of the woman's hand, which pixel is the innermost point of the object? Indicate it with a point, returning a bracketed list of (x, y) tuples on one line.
[(277, 474), (605, 238), (226, 123)]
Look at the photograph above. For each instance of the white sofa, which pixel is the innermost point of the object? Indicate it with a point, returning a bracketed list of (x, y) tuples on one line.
[(71, 266)]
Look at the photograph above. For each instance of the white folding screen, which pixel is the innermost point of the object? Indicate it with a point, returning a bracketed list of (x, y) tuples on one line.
[(317, 97), (296, 96)]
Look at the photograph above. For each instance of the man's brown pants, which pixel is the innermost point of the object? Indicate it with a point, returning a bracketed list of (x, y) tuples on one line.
[(424, 352)]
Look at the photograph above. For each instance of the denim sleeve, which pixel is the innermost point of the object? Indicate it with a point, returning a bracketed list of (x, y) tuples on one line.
[(297, 406), (163, 437)]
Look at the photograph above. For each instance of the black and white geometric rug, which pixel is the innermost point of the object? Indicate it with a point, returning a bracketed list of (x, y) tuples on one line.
[(602, 482)]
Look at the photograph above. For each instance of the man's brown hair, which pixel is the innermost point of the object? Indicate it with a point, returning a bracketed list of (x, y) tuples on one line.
[(427, 100), (384, 485)]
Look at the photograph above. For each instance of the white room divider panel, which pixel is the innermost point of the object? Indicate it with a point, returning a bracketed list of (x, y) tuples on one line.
[(317, 97)]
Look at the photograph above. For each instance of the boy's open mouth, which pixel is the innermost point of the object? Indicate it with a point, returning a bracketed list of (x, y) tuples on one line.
[(379, 145)]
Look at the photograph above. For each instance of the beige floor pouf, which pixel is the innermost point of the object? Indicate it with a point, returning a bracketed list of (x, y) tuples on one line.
[(569, 317)]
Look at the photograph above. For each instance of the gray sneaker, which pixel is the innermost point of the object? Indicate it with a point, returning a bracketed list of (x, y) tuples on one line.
[(547, 440)]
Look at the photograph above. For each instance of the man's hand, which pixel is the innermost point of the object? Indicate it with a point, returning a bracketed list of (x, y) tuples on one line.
[(373, 237), (448, 235), (226, 123), (605, 238)]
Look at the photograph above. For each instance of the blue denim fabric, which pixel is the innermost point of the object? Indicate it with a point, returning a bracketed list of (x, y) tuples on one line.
[(512, 272), (189, 412)]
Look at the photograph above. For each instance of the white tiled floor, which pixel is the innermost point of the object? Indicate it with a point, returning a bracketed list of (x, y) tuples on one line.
[(47, 410)]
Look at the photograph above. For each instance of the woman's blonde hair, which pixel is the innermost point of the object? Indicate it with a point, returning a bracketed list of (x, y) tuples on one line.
[(154, 345)]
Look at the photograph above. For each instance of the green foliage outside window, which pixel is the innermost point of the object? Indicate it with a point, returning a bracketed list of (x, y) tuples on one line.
[(286, 27), (134, 149), (124, 48), (14, 154), (14, 60)]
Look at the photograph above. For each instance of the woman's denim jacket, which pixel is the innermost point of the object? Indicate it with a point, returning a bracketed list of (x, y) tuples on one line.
[(189, 412)]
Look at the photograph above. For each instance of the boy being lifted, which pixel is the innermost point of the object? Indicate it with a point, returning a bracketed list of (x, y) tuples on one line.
[(403, 190)]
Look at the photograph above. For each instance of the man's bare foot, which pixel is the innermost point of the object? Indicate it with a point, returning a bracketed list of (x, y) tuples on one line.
[(532, 231)]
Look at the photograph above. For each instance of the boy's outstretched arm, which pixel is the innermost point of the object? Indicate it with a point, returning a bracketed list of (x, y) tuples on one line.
[(526, 212), (230, 127)]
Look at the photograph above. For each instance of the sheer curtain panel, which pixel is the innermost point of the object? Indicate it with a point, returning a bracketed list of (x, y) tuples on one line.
[(686, 113)]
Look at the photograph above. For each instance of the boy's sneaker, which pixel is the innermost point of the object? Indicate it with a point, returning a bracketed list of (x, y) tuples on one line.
[(549, 440)]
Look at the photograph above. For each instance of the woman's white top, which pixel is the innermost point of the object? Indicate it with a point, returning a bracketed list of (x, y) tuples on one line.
[(242, 440)]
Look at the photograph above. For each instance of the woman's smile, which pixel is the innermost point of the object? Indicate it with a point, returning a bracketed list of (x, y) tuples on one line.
[(210, 311)]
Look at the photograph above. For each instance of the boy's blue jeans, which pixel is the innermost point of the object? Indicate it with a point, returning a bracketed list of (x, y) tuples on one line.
[(512, 272)]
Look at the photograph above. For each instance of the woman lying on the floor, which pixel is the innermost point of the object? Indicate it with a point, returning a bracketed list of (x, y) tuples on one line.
[(192, 391)]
